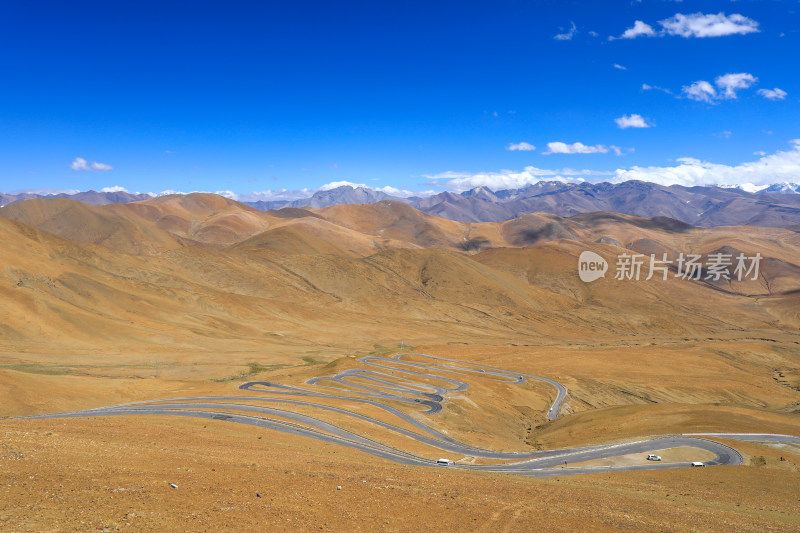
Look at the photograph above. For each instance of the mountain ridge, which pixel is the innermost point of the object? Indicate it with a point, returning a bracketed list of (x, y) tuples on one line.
[(777, 205)]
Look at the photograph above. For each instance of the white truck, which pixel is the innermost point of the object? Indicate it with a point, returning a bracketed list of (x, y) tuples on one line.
[(443, 462)]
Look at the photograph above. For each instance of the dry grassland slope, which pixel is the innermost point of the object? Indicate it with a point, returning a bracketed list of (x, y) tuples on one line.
[(201, 268)]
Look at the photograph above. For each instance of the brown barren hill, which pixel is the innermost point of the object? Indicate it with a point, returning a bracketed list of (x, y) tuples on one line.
[(207, 218), (292, 240), (392, 220), (111, 226), (313, 234)]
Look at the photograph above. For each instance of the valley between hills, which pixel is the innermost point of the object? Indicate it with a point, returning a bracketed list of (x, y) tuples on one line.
[(189, 296)]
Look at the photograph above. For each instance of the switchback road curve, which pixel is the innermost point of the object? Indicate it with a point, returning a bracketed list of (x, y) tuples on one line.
[(416, 379)]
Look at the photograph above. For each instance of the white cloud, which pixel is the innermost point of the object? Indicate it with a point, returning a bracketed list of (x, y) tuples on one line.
[(773, 94), (81, 164), (275, 195), (505, 179), (44, 191), (728, 84), (760, 153), (694, 25), (228, 194), (731, 83), (702, 91), (400, 193), (638, 29), (619, 67), (568, 35), (393, 191), (115, 188), (711, 25), (337, 184), (631, 121), (647, 87), (520, 147), (782, 166), (577, 148)]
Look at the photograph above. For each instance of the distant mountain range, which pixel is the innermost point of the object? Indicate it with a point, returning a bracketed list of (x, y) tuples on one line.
[(777, 205), (782, 188), (699, 206), (773, 206), (87, 197)]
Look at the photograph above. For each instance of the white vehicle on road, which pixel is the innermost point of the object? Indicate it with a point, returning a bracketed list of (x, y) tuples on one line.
[(698, 463), (653, 457), (443, 462)]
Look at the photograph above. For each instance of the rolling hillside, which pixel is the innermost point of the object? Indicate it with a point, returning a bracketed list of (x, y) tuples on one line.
[(203, 272)]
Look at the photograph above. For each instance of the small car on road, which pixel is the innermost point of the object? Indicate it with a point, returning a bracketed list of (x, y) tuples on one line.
[(653, 457)]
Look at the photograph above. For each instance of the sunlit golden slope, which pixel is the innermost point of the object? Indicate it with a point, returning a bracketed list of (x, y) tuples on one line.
[(113, 226), (204, 271), (207, 218)]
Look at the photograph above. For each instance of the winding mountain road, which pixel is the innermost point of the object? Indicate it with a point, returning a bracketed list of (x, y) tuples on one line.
[(416, 379)]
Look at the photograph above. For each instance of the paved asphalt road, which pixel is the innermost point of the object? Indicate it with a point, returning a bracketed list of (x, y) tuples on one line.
[(754, 437), (415, 379)]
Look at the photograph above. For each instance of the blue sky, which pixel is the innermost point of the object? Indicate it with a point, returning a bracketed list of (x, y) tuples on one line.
[(265, 99)]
